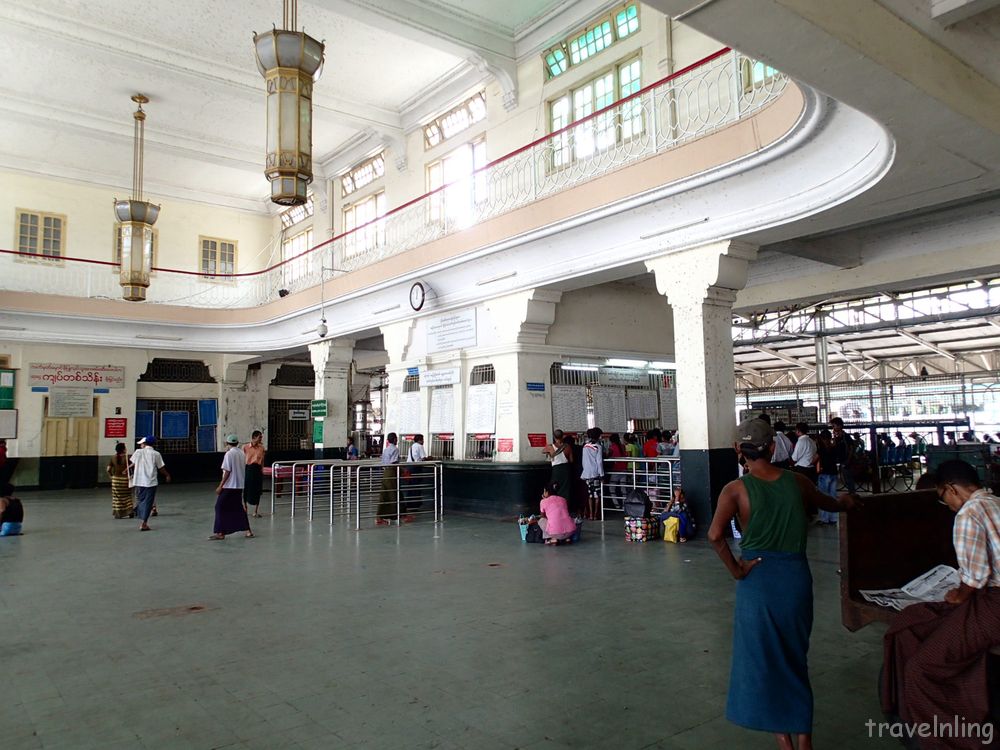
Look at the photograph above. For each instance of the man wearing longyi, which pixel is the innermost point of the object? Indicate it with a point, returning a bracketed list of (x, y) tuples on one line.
[(769, 686)]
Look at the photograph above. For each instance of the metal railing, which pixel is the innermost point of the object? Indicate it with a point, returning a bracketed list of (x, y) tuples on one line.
[(658, 477), (713, 93), (353, 491)]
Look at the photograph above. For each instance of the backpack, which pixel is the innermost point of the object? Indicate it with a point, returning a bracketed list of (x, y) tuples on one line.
[(534, 534), (637, 504)]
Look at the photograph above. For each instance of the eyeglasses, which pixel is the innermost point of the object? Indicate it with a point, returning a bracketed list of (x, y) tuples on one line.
[(941, 491)]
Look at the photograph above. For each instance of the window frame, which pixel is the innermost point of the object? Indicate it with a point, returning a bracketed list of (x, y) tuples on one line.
[(749, 82), (293, 270), (217, 277), (564, 47), (569, 95), (116, 249), (26, 256), (437, 123), (376, 227), (309, 210), (360, 167), (438, 204)]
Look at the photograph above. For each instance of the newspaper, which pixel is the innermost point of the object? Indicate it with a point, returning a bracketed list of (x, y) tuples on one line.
[(929, 587)]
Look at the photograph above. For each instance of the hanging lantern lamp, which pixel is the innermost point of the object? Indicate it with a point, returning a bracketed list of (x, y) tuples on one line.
[(135, 221), (290, 62)]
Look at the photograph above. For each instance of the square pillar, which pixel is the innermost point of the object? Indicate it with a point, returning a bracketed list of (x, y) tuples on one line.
[(700, 284), (331, 361)]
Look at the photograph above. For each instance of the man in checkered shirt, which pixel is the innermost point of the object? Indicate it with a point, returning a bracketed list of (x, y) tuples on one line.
[(935, 653)]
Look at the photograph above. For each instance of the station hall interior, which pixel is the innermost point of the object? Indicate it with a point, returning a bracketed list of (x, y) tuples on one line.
[(478, 223)]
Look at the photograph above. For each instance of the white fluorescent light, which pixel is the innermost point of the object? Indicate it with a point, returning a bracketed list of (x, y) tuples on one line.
[(158, 338), (578, 366), (654, 372), (385, 310), (661, 365), (501, 277), (13, 328), (627, 362)]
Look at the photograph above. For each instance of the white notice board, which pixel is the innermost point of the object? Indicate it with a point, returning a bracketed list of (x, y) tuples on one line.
[(642, 404), (408, 419), (569, 408), (609, 409), (71, 402), (481, 409), (668, 408), (442, 409), (8, 424)]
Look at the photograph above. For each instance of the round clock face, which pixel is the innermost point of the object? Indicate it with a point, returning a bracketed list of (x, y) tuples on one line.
[(417, 296)]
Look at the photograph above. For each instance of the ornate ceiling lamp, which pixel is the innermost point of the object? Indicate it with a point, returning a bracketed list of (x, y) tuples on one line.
[(136, 218), (290, 62)]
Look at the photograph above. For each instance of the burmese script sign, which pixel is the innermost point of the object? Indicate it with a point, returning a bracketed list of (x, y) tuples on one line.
[(82, 376), (455, 330), (71, 402)]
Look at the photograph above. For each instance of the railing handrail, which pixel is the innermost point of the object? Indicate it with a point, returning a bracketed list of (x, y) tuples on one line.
[(521, 149)]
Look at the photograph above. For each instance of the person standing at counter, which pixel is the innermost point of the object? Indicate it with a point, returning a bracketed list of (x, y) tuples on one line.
[(388, 496), (561, 456)]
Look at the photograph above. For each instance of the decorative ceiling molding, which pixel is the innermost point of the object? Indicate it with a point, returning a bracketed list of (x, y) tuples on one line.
[(37, 167), (186, 144), (441, 27), (443, 94), (558, 24), (164, 59)]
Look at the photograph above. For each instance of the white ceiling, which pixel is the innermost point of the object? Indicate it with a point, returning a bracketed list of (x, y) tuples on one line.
[(71, 66)]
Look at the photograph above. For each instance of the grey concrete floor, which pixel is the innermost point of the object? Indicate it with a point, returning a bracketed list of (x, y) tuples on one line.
[(453, 635)]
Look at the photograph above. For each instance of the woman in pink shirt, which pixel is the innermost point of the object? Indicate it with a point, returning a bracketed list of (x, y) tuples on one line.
[(555, 522)]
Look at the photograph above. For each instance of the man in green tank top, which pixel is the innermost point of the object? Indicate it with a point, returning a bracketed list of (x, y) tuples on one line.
[(769, 686)]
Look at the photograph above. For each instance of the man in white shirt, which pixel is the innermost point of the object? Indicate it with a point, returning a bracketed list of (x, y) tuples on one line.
[(804, 455), (782, 447), (420, 479), (230, 512), (147, 463)]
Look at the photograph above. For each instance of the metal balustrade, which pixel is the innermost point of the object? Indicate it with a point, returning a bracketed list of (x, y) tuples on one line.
[(351, 490), (656, 476), (711, 94)]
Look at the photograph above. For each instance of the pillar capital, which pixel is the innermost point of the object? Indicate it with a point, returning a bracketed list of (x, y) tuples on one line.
[(707, 274), (335, 354)]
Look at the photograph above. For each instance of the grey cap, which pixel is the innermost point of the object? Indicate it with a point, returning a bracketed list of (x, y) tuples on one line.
[(755, 432), (232, 439)]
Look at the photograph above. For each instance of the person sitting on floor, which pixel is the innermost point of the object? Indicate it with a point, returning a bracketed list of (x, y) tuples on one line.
[(555, 521), (11, 512), (935, 653), (679, 509)]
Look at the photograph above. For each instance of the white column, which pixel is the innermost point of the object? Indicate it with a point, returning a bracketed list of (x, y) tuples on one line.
[(701, 284), (331, 361)]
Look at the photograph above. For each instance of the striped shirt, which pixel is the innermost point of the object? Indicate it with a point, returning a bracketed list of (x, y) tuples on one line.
[(977, 540)]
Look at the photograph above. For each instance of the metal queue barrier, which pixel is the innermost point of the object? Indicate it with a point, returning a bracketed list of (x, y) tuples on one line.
[(656, 476), (356, 490)]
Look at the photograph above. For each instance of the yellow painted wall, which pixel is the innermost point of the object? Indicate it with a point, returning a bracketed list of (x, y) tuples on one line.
[(90, 222)]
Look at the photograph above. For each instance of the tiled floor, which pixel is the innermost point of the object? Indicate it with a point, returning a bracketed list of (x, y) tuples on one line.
[(447, 636)]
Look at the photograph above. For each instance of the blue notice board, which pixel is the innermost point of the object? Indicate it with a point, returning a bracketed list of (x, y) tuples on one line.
[(208, 412), (175, 425), (206, 439), (145, 423)]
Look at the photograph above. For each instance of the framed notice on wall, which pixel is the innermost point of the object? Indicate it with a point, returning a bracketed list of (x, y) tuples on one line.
[(145, 423), (609, 409), (481, 409), (8, 424), (569, 408), (206, 439), (175, 425), (407, 417), (71, 402)]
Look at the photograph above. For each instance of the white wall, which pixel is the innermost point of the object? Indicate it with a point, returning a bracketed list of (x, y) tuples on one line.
[(509, 131), (90, 222)]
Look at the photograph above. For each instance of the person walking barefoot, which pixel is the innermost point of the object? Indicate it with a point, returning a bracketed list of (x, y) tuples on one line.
[(230, 512)]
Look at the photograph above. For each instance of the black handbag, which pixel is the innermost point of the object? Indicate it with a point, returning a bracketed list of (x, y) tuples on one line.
[(638, 504), (534, 534)]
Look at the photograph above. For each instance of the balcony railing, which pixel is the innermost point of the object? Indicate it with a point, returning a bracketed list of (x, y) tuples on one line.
[(700, 99)]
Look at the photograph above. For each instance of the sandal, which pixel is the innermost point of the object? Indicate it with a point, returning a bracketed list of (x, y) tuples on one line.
[(250, 535), (217, 537)]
